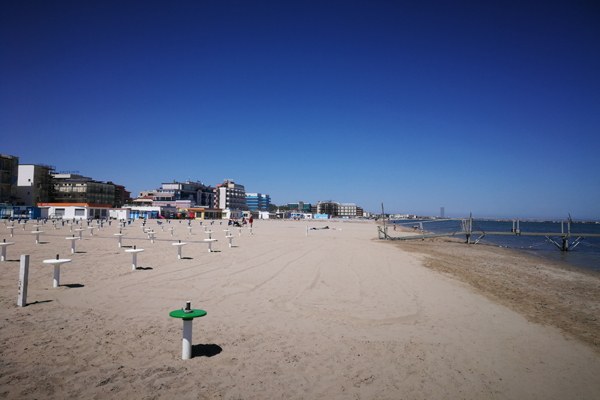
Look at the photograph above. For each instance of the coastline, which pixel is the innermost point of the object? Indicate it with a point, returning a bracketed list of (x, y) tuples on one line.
[(544, 291)]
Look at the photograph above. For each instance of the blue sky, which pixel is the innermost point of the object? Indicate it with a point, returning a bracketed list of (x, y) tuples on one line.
[(489, 108)]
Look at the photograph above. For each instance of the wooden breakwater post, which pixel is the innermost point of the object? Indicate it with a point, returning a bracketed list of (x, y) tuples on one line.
[(23, 279)]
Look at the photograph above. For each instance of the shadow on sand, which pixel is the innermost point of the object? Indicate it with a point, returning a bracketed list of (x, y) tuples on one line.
[(206, 350), (73, 285)]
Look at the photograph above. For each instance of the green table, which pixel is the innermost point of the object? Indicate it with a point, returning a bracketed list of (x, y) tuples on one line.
[(187, 317)]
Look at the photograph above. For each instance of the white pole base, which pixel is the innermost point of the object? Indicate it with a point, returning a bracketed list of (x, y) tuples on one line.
[(186, 343), (56, 282)]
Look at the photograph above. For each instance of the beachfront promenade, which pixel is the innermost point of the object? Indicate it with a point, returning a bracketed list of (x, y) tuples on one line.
[(297, 314)]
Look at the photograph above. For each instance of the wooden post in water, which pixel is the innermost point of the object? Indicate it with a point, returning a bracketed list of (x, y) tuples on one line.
[(469, 228)]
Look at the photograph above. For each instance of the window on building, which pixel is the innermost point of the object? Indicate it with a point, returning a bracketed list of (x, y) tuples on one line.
[(79, 212)]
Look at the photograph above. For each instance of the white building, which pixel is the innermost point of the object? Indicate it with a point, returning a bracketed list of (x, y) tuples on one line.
[(73, 211), (347, 210), (34, 184)]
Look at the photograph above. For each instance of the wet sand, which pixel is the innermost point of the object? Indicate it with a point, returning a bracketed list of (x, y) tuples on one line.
[(546, 292)]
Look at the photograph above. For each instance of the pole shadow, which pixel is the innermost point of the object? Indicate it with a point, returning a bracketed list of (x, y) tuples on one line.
[(39, 302), (143, 268), (73, 285), (206, 350), (187, 258)]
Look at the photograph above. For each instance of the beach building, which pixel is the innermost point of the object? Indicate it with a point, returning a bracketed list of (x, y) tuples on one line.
[(299, 215), (19, 212), (341, 210), (258, 201), (121, 214), (203, 213), (347, 210), (230, 195), (122, 195), (75, 188), (35, 184), (300, 206), (74, 210), (9, 172), (265, 215), (327, 207), (178, 204), (150, 212), (196, 193)]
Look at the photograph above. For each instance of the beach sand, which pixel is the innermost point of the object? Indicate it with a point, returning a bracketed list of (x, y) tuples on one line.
[(333, 313)]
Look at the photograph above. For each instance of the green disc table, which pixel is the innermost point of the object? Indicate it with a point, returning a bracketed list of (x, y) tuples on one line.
[(187, 317)]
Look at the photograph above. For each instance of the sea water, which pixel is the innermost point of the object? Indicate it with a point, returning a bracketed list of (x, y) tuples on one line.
[(586, 255)]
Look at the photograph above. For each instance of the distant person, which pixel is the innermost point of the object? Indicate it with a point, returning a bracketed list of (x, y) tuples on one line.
[(251, 221)]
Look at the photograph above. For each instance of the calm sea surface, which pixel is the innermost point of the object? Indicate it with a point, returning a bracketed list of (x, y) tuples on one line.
[(586, 255)]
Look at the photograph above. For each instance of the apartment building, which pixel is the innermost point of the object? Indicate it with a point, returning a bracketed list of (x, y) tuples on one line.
[(75, 188), (335, 209), (230, 195), (9, 171), (35, 184), (195, 193), (258, 201)]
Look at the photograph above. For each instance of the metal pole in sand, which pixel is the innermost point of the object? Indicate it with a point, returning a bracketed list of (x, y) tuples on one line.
[(209, 241), (72, 239), (179, 246), (37, 236), (134, 252), (57, 263), (120, 237), (4, 245), (187, 314)]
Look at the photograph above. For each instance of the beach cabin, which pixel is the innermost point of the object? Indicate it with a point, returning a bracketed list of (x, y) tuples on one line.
[(74, 210), (120, 214), (264, 215), (144, 212), (203, 213), (231, 214), (8, 211)]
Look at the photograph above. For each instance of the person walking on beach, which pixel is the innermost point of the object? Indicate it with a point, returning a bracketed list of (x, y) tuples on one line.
[(251, 220)]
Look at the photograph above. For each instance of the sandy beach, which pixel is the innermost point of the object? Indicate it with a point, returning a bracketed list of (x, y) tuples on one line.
[(293, 314)]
